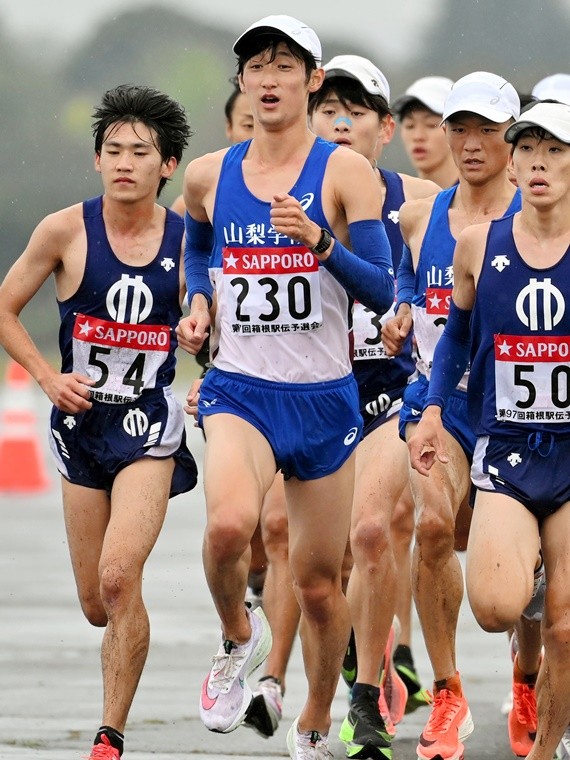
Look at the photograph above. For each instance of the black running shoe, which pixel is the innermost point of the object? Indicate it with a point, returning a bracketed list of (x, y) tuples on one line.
[(364, 732), (404, 664), (349, 664)]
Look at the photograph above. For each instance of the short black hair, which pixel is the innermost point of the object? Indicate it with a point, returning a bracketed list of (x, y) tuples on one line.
[(128, 104), (412, 106), (231, 101), (269, 41), (349, 90)]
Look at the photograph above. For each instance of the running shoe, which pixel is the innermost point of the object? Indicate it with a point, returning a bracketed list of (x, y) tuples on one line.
[(265, 709), (364, 732), (254, 597), (391, 683), (104, 750), (406, 669), (563, 749), (385, 713), (308, 746), (522, 718), (535, 608), (449, 724), (349, 664), (225, 692), (507, 705)]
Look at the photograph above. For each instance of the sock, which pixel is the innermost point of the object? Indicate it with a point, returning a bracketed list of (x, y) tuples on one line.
[(453, 683), (361, 689), (520, 677), (403, 653), (115, 737)]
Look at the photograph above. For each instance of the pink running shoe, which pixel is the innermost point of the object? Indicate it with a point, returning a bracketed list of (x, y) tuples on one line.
[(391, 683)]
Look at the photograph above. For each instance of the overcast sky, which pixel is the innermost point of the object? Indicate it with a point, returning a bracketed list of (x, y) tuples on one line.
[(380, 24)]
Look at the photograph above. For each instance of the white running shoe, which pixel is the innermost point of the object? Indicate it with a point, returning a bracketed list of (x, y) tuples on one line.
[(254, 597), (308, 746), (535, 608), (265, 709), (225, 692), (563, 749)]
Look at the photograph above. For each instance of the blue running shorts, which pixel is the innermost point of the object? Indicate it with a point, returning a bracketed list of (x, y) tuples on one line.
[(311, 427), (92, 447), (455, 417)]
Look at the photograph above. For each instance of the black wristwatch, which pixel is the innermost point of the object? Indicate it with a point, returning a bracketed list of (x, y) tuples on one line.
[(324, 242)]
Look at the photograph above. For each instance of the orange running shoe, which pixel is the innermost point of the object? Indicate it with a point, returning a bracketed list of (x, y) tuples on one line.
[(522, 717), (385, 713), (391, 682), (449, 724), (104, 751)]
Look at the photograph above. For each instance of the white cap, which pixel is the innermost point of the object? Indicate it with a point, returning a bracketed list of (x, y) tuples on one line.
[(431, 92), (552, 117), (291, 27), (361, 69), (554, 87), (484, 94)]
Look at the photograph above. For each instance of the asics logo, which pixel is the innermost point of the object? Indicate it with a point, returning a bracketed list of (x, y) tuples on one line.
[(350, 436), (207, 701)]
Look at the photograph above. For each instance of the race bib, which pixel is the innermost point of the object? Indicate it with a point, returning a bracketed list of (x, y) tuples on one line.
[(272, 290), (367, 332), (122, 358), (532, 378)]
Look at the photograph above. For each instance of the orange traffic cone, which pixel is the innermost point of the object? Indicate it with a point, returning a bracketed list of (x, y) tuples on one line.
[(22, 465)]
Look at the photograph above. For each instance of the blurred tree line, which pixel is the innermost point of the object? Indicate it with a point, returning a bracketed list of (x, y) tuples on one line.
[(45, 114)]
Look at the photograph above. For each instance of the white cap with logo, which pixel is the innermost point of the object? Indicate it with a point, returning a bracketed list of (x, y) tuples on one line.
[(431, 92), (288, 26), (361, 69), (554, 87), (552, 117), (485, 94)]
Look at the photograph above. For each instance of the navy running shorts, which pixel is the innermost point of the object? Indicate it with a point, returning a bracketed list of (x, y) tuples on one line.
[(92, 447), (531, 468)]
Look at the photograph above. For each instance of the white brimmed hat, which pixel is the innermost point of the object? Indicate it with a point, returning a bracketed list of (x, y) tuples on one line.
[(361, 69), (291, 27), (484, 94), (552, 117), (431, 92), (554, 87)]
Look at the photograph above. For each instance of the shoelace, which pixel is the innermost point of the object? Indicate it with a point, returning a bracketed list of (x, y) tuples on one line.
[(103, 751), (315, 749), (445, 706), (225, 668), (524, 702)]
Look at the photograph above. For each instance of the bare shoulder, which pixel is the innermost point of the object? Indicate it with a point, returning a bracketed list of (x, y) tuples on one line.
[(200, 182), (414, 215), (470, 249), (345, 159), (474, 235), (201, 171), (415, 187), (353, 185), (60, 229)]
